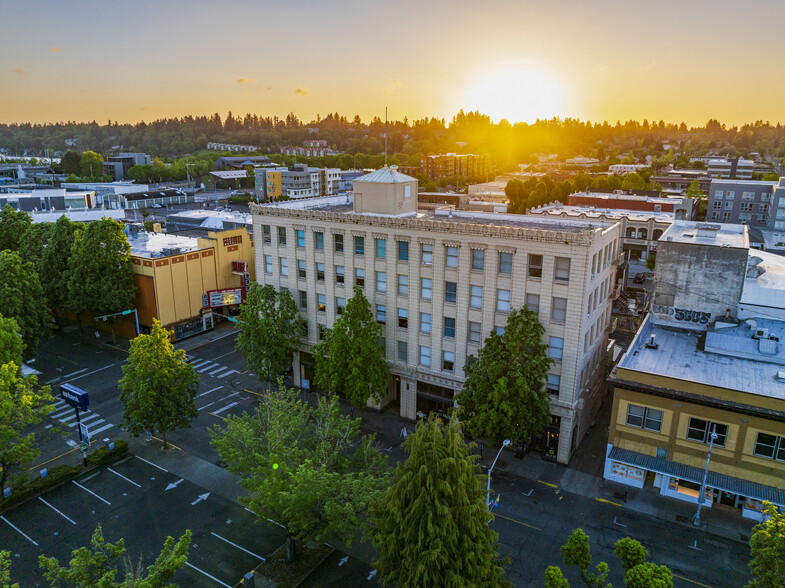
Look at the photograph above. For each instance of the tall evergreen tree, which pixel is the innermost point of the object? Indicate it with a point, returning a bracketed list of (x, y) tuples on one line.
[(504, 394), (431, 527), (159, 386), (350, 358), (270, 331)]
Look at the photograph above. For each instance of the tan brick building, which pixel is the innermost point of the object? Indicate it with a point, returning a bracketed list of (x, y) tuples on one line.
[(440, 280)]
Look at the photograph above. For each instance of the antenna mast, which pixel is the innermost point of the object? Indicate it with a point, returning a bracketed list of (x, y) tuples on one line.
[(385, 136)]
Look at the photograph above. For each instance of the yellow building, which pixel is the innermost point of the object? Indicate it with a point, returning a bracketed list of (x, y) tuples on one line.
[(182, 280), (674, 388)]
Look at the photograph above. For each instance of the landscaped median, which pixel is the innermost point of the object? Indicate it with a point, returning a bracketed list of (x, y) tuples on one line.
[(62, 473)]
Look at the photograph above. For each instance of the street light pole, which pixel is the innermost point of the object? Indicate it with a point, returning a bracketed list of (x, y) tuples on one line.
[(696, 520), (505, 443)]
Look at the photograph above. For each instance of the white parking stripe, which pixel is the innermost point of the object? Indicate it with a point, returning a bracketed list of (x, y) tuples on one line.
[(106, 367), (220, 369), (227, 373), (18, 530), (151, 463), (227, 407), (206, 405), (91, 492), (190, 565), (104, 428), (209, 367), (123, 477), (208, 392), (237, 546), (57, 511)]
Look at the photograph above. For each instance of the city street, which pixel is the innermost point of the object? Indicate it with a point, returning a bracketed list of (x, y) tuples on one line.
[(534, 517)]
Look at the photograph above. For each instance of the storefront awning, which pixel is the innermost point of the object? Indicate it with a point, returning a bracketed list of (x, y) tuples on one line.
[(693, 474)]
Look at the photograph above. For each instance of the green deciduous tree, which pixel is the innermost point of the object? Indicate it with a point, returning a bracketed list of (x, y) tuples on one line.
[(504, 394), (633, 181), (5, 570), (159, 386), (431, 526), (554, 578), (22, 404), (270, 331), (100, 279), (11, 344), (648, 575), (630, 552), (33, 243), (13, 225), (97, 566), (91, 164), (54, 269), (350, 359), (71, 162), (303, 467), (694, 190), (577, 552), (767, 549), (22, 298)]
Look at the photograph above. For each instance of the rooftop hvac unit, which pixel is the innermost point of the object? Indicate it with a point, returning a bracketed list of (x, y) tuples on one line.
[(169, 251), (761, 334)]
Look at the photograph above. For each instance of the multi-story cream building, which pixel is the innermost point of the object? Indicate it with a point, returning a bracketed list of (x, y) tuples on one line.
[(440, 280)]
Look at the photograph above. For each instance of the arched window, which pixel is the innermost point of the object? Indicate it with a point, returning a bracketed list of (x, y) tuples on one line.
[(642, 233), (657, 234), (630, 232)]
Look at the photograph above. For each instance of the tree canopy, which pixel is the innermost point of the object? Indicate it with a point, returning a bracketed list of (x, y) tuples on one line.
[(504, 396), (11, 344), (158, 387), (91, 165), (305, 468), (22, 403), (100, 279), (13, 225), (54, 268), (431, 526), (270, 331), (350, 359), (22, 298), (97, 566), (767, 549)]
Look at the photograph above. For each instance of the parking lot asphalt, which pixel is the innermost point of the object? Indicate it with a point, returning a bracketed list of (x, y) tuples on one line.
[(143, 503)]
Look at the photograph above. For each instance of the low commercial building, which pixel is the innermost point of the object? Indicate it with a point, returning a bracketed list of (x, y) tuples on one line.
[(639, 200), (626, 168), (206, 220), (183, 281), (117, 166), (706, 369), (296, 181), (449, 165), (440, 280)]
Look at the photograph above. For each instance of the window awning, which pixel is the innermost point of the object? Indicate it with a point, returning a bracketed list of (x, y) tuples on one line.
[(693, 474)]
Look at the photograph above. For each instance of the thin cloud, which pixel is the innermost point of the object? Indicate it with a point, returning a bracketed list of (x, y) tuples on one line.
[(246, 80), (392, 87), (269, 88), (53, 50), (301, 92), (19, 71)]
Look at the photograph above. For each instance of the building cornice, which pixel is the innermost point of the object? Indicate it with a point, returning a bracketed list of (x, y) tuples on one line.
[(444, 227)]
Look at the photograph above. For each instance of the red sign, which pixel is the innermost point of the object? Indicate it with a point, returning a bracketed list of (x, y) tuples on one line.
[(240, 266)]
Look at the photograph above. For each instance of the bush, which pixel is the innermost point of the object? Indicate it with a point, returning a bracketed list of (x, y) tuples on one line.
[(241, 199), (104, 455)]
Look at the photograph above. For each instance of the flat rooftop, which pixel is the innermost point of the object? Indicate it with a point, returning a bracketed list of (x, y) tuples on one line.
[(153, 244), (344, 205), (764, 284), (609, 213), (678, 356), (719, 235)]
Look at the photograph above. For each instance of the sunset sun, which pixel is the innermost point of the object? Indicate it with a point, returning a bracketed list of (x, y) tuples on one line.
[(515, 93)]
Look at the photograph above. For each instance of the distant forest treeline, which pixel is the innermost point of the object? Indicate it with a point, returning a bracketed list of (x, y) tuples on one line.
[(466, 132)]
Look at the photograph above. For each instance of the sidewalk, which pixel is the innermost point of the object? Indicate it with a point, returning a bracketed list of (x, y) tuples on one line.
[(583, 477)]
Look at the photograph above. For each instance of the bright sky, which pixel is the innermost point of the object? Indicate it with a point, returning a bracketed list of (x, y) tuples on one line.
[(675, 60)]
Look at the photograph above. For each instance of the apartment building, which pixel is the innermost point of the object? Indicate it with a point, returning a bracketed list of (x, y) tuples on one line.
[(297, 181), (744, 202), (448, 165), (440, 280), (706, 367), (730, 167)]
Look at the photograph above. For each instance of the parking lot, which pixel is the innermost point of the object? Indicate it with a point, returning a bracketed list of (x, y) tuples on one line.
[(143, 503)]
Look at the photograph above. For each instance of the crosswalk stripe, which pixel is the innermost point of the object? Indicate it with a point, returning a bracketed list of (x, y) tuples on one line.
[(58, 413), (220, 369), (98, 422), (200, 362), (209, 367), (104, 428), (90, 417), (227, 373), (59, 402), (66, 419)]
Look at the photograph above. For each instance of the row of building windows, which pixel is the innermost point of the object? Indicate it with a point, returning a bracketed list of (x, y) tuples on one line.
[(702, 430), (478, 256)]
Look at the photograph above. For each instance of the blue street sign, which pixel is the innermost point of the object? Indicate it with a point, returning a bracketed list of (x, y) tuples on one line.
[(74, 396)]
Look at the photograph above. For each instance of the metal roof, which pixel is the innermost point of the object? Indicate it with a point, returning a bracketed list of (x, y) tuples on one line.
[(693, 474), (385, 175)]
